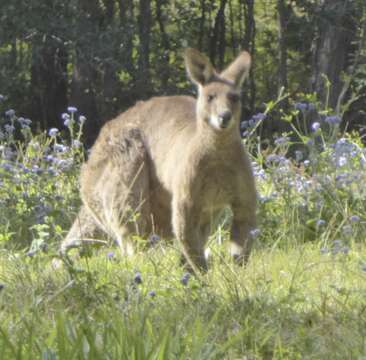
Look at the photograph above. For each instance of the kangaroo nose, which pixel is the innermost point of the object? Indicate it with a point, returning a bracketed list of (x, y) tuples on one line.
[(225, 118)]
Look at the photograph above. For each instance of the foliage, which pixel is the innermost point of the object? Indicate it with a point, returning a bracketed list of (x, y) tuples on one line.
[(38, 175), (103, 56)]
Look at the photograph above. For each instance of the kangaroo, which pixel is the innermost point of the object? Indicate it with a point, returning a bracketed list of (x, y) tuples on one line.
[(172, 164)]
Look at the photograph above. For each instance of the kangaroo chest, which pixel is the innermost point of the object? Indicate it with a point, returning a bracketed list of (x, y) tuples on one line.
[(218, 185)]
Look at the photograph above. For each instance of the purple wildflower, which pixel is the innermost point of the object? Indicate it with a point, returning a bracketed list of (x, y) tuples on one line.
[(76, 143), (259, 117), (315, 126), (10, 113), (333, 120), (320, 222), (60, 148), (311, 107), (53, 132), (283, 140), (72, 109), (24, 122), (9, 128), (255, 233), (82, 119), (67, 122), (342, 161), (244, 125), (151, 293), (154, 239), (137, 279), (354, 218), (301, 106), (185, 278), (49, 158), (272, 158)]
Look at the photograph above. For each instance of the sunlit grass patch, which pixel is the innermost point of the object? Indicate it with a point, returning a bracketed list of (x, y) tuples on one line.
[(285, 303)]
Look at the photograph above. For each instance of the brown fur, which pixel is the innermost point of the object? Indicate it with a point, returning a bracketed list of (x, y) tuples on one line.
[(173, 161)]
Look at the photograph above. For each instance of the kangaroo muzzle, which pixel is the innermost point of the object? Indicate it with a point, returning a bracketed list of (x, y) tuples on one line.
[(224, 119)]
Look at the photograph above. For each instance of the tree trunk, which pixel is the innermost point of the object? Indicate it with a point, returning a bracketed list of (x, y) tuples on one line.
[(84, 78), (110, 66), (109, 10), (222, 37), (217, 41), (283, 18), (144, 24), (202, 25), (83, 96), (48, 82), (335, 36), (248, 43), (232, 32), (163, 66), (249, 28), (126, 16)]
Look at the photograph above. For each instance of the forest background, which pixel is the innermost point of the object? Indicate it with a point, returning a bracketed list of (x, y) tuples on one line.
[(101, 56)]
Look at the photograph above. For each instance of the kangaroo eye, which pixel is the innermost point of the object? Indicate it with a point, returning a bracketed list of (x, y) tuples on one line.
[(210, 97), (234, 98)]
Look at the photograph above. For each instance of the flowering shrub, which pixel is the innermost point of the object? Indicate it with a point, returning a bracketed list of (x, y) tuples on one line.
[(316, 194), (38, 179)]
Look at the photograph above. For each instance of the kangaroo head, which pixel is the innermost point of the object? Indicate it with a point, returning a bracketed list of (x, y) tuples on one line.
[(218, 102)]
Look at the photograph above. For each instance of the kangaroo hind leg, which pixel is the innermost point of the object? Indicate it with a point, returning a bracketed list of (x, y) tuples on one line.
[(124, 189)]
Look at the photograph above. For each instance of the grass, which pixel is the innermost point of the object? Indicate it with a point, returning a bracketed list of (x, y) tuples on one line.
[(286, 304), (301, 296)]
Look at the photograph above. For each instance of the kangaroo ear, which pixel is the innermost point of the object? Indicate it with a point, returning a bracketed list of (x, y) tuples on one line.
[(198, 66), (238, 70)]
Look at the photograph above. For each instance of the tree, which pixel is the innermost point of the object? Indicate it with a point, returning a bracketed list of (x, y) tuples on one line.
[(248, 43), (217, 39), (48, 80), (144, 29), (83, 91), (333, 46), (164, 45), (283, 10)]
